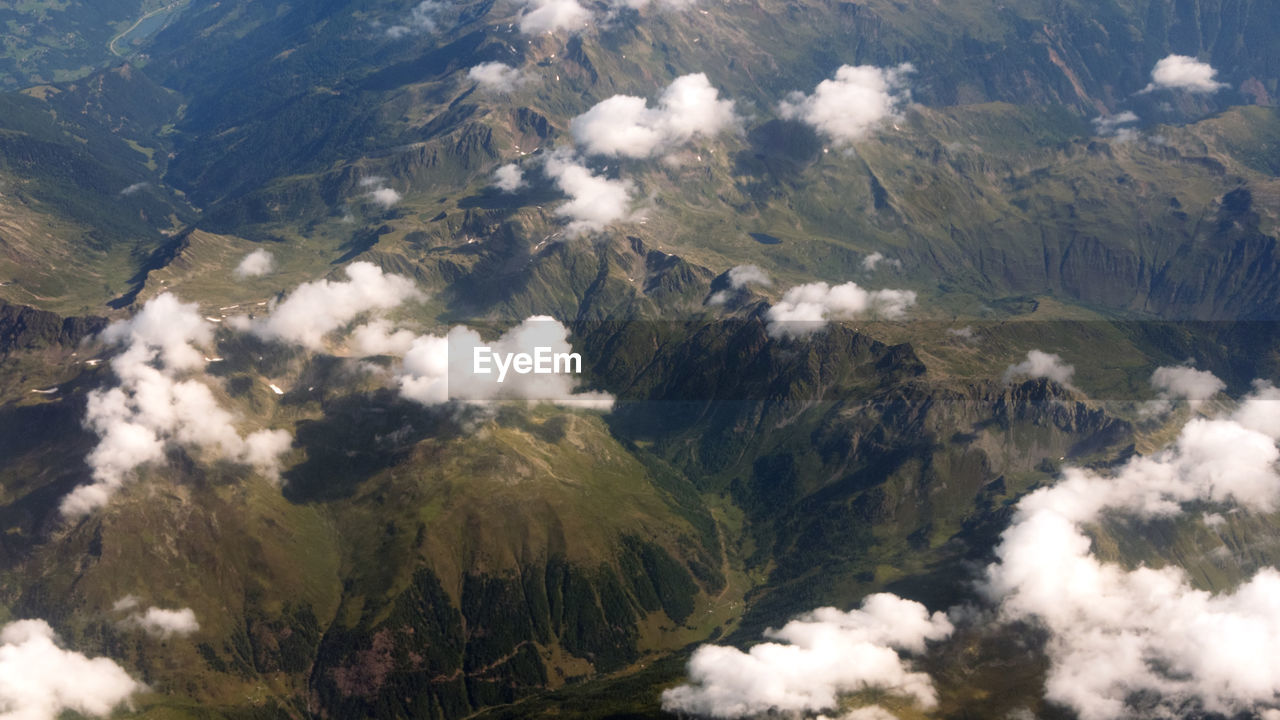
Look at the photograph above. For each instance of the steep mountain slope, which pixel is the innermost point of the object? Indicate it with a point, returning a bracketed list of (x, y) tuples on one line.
[(522, 559)]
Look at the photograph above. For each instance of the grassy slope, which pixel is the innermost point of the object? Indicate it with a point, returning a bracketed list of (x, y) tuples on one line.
[(1005, 176)]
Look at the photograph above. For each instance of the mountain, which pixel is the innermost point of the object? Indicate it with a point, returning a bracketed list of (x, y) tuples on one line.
[(1049, 238)]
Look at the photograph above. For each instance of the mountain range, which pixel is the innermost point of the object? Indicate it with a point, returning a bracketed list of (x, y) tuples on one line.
[(926, 352)]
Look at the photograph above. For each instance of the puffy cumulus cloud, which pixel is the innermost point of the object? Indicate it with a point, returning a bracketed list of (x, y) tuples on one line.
[(508, 178), (1184, 73), (166, 623), (1114, 126), (262, 450), (544, 16), (626, 126), (853, 103), (255, 264), (437, 370), (1181, 382), (805, 309), (166, 329), (384, 197), (496, 76), (876, 259), (1040, 364), (424, 376), (594, 200), (378, 337), (151, 407), (315, 309), (740, 277), (1115, 634), (965, 333), (1262, 411), (433, 370), (39, 680), (421, 19), (378, 193), (817, 658), (1186, 382), (155, 621)]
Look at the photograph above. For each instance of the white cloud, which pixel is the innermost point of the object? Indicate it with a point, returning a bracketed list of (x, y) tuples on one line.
[(379, 193), (1041, 364), (496, 76), (386, 197), (805, 309), (1187, 383), (152, 407), (818, 657), (1181, 382), (594, 200), (743, 275), (257, 263), (852, 104), (315, 309), (1114, 126), (1262, 411), (421, 19), (872, 261), (625, 126), (438, 370), (40, 680), (169, 328), (542, 16), (965, 333), (545, 16), (619, 125), (425, 371), (136, 187), (1114, 632), (739, 277), (377, 337), (1184, 73), (262, 449), (508, 178), (156, 621)]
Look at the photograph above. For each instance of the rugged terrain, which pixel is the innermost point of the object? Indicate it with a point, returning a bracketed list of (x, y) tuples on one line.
[(527, 558)]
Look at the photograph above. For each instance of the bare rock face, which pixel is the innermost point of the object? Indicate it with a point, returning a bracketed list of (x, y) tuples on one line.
[(26, 328)]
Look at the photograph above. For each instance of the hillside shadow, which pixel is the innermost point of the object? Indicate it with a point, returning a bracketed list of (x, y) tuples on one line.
[(778, 150), (360, 243), (359, 436), (459, 53), (47, 443), (492, 198)]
